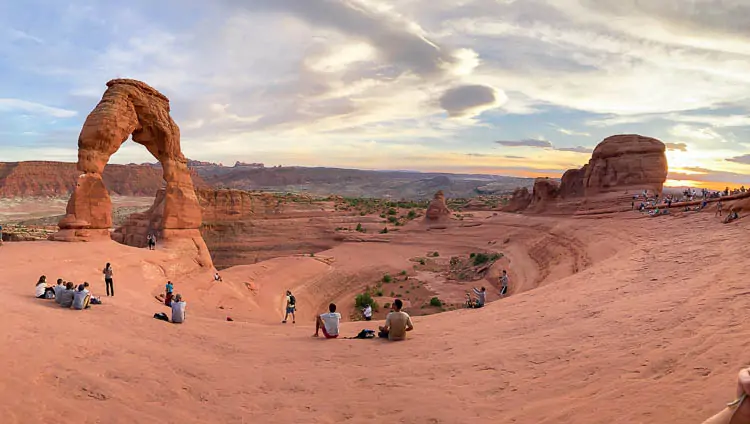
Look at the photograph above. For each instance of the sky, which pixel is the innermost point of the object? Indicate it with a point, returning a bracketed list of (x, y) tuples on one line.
[(511, 87)]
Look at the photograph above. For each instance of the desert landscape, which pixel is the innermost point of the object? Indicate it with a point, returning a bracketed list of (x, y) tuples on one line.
[(606, 320)]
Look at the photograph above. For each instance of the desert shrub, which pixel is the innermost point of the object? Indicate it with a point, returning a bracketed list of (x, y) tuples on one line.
[(472, 255), (384, 230), (436, 302), (481, 258), (403, 272), (392, 211), (495, 256), (382, 215), (401, 286), (387, 305), (365, 299), (387, 278), (312, 255), (407, 292), (398, 296), (412, 214), (393, 294), (362, 213), (435, 254), (392, 219), (379, 292), (421, 261), (359, 228)]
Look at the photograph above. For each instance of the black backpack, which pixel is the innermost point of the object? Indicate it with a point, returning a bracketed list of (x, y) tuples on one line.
[(292, 300), (366, 334)]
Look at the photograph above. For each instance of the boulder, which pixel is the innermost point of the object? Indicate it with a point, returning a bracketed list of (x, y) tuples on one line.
[(545, 190), (520, 200), (437, 210)]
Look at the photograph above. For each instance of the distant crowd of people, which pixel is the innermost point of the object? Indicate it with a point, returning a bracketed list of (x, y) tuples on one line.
[(655, 205)]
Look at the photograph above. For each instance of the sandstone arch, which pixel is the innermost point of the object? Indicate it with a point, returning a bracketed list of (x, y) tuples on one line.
[(132, 108)]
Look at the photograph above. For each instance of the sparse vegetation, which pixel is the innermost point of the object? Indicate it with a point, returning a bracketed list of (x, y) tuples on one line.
[(392, 211), (363, 299), (403, 272), (483, 258), (384, 230), (436, 302), (392, 219), (359, 228), (421, 261), (387, 278), (379, 292), (387, 305)]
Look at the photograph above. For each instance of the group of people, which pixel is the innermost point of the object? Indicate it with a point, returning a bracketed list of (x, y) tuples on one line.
[(481, 293), (175, 302), (66, 294), (397, 323)]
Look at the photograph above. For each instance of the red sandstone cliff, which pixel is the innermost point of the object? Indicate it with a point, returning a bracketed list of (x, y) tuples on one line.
[(38, 178)]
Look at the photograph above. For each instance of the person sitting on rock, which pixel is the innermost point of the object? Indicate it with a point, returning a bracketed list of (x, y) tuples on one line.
[(59, 288), (481, 297), (81, 298), (397, 323), (217, 277), (328, 323), (731, 216), (41, 289), (178, 309), (66, 299)]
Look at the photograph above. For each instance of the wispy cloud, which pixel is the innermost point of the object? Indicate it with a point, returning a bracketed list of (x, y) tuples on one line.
[(577, 149), (529, 142), (17, 105), (681, 147), (744, 159)]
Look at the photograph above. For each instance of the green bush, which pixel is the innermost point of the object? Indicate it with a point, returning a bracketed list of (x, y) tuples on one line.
[(412, 214), (403, 272), (387, 305), (392, 211), (436, 302), (481, 258), (392, 219), (435, 254), (384, 230), (393, 294), (421, 261), (387, 278), (472, 255), (359, 228), (379, 293)]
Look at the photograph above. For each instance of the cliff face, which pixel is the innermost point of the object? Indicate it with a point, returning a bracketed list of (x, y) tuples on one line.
[(38, 178)]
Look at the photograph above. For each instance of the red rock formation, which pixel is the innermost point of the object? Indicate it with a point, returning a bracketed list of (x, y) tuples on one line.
[(38, 178), (571, 184), (437, 210), (623, 162), (520, 201), (127, 108), (545, 191)]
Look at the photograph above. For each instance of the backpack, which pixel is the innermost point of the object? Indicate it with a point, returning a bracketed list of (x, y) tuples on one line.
[(292, 301), (366, 334), (161, 316)]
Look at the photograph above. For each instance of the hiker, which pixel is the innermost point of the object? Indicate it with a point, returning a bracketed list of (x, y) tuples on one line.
[(328, 323), (481, 297), (217, 277), (81, 298), (41, 289), (719, 209), (67, 296), (108, 273), (59, 289), (397, 323), (151, 240), (291, 306), (504, 284), (737, 412), (178, 309), (168, 297), (367, 312)]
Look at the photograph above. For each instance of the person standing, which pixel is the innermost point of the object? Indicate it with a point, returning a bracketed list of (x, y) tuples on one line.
[(367, 312), (168, 297), (504, 284), (108, 273), (291, 306)]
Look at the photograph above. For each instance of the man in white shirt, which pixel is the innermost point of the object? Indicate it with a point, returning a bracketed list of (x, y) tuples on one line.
[(178, 309), (367, 312), (328, 323), (504, 284)]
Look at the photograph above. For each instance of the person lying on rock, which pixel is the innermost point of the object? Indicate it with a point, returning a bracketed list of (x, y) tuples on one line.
[(66, 299), (81, 298), (397, 323), (178, 309), (328, 323), (737, 412)]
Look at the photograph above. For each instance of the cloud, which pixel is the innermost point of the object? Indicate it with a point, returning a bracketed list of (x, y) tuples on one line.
[(571, 132), (544, 144), (578, 149), (458, 101), (681, 147), (744, 159), (17, 105)]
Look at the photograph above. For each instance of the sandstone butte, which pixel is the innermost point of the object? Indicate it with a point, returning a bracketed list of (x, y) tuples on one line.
[(620, 166), (437, 211), (601, 326)]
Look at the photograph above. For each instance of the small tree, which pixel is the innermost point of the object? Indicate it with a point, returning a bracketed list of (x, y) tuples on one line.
[(365, 299), (436, 302)]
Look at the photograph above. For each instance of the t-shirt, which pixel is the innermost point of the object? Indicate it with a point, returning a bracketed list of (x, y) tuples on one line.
[(178, 311), (40, 289), (170, 287), (66, 299), (79, 298), (397, 322), (331, 322), (368, 312), (58, 292), (504, 280), (481, 296), (108, 273)]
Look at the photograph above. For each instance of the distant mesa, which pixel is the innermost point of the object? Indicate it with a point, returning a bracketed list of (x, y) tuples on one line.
[(619, 164), (132, 108)]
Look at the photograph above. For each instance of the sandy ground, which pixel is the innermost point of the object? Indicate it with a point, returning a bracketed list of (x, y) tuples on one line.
[(19, 209), (614, 320)]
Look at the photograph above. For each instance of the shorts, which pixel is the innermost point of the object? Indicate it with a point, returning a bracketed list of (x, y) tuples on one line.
[(290, 310), (368, 318), (504, 290), (108, 280), (325, 333)]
